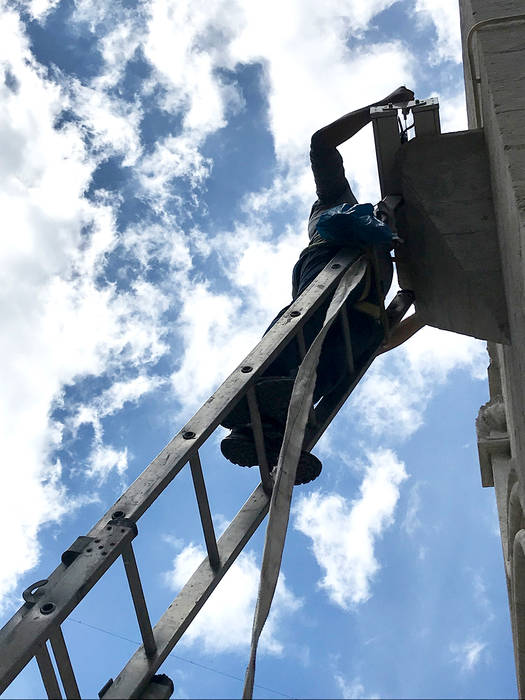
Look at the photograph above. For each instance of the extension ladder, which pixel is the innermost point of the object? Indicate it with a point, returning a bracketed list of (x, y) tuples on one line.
[(49, 602)]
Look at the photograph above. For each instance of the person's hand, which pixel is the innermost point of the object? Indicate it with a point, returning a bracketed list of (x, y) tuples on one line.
[(400, 95)]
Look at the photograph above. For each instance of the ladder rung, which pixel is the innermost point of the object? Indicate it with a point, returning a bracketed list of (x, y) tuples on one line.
[(300, 343), (139, 602), (48, 674), (256, 424), (204, 510), (348, 342), (377, 279), (60, 652)]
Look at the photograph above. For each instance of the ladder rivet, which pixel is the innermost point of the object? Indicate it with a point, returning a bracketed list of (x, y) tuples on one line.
[(47, 608), (89, 549), (336, 266), (188, 435), (117, 514), (108, 527), (246, 369), (97, 541), (295, 313)]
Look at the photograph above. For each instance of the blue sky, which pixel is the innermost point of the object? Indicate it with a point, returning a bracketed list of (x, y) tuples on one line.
[(155, 190)]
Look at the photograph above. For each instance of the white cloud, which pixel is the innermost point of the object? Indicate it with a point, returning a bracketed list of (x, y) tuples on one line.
[(232, 605), (214, 342), (60, 320), (411, 521), (117, 47), (444, 14), (112, 124), (468, 655), (343, 533), (38, 9), (481, 597), (104, 459), (394, 394), (173, 157), (153, 244), (453, 112), (352, 690)]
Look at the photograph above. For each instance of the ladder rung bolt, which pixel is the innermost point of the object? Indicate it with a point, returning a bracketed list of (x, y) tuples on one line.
[(295, 313), (246, 369), (188, 435), (118, 514), (47, 608), (336, 266)]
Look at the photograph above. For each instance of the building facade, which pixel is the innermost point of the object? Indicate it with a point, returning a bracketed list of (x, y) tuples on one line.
[(493, 37)]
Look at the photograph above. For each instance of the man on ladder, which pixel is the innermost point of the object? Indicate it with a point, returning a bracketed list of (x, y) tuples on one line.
[(275, 386)]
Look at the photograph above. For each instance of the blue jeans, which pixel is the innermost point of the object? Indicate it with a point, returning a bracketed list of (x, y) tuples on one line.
[(366, 333)]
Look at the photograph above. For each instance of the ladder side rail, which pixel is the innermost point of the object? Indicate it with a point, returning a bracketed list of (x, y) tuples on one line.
[(345, 325), (258, 436), (24, 634), (137, 673)]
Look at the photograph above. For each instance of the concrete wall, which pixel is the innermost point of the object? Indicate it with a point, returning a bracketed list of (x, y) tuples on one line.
[(499, 51), (450, 258)]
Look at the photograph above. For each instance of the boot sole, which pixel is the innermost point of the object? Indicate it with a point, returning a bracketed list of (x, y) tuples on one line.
[(241, 451)]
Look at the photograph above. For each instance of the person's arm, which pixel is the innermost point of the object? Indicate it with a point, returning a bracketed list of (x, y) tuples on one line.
[(326, 161), (405, 330), (345, 127)]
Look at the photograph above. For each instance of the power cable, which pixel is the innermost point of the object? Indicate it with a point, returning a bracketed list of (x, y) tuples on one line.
[(179, 658)]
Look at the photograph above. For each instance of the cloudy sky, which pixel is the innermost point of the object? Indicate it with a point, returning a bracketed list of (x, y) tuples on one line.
[(154, 194)]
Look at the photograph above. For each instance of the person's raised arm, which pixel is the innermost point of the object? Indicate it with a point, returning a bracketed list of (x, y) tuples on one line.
[(345, 127)]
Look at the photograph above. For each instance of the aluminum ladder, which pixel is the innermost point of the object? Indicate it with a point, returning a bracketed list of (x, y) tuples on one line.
[(49, 602)]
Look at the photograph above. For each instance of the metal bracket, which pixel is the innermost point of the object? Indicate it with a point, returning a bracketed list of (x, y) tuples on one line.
[(125, 522), (78, 546)]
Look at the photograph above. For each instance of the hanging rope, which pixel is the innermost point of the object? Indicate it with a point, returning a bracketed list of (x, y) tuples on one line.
[(298, 412)]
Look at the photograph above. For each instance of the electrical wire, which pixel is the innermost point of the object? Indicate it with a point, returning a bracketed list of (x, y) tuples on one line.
[(179, 658)]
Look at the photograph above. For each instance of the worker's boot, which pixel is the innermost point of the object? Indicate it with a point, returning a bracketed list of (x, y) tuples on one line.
[(239, 447), (273, 396)]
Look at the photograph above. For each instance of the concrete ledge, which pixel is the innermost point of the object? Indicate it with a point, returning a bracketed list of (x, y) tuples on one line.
[(451, 259)]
